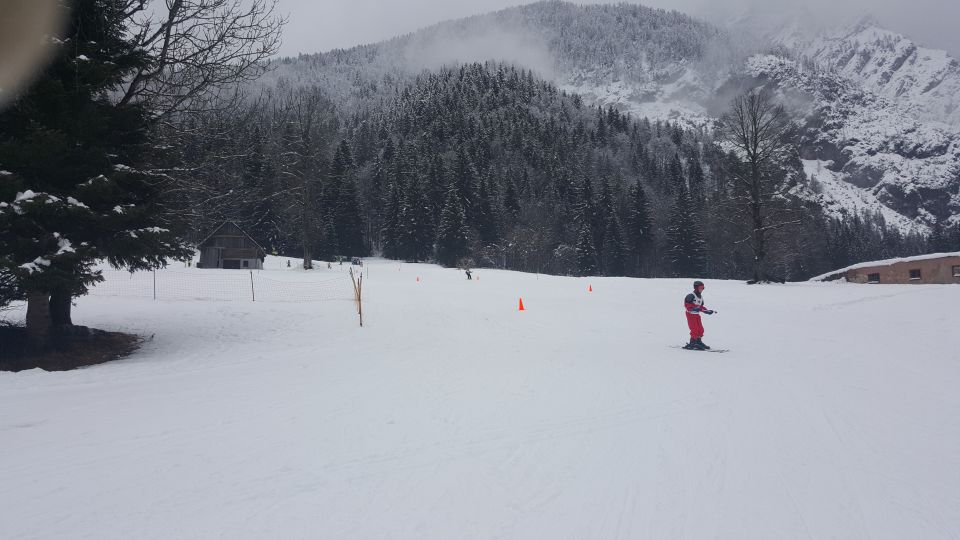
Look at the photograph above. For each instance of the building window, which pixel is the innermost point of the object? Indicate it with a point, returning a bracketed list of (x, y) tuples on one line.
[(956, 271), (246, 264), (915, 274), (873, 278)]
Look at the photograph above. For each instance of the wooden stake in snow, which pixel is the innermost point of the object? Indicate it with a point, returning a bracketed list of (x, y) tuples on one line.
[(357, 282)]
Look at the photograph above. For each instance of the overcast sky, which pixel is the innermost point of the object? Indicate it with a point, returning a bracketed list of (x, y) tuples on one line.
[(321, 25)]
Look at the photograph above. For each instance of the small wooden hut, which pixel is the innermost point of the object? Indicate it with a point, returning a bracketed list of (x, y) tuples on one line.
[(231, 248)]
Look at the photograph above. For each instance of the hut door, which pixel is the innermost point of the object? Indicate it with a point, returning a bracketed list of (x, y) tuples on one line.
[(211, 257)]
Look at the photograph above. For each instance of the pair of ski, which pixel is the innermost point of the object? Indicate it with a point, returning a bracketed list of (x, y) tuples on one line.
[(689, 348)]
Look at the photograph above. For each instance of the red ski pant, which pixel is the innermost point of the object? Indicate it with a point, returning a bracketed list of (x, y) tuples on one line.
[(696, 326)]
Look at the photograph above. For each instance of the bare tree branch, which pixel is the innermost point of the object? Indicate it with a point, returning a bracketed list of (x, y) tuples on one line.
[(200, 51), (760, 130)]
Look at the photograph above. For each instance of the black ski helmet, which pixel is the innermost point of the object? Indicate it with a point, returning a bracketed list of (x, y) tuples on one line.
[(698, 284)]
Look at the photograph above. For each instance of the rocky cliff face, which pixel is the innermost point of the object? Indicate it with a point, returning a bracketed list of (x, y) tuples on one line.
[(923, 82)]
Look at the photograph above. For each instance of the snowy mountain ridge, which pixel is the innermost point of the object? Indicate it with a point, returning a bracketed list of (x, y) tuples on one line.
[(882, 115), (923, 81), (882, 109), (909, 165)]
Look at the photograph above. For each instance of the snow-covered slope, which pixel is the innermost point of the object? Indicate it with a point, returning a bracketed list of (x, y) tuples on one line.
[(453, 415)]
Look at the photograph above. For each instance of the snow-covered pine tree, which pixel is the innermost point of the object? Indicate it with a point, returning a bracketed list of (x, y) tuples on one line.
[(486, 220), (465, 178), (696, 180), (613, 250), (260, 177), (373, 194), (603, 213), (452, 233), (685, 243), (584, 207), (76, 193), (586, 253), (390, 233), (346, 212), (675, 175), (437, 181), (511, 201), (640, 229), (328, 245), (416, 232)]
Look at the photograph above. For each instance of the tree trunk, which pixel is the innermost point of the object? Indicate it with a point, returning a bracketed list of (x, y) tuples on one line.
[(38, 320), (759, 245), (60, 305), (307, 258), (306, 218), (756, 210)]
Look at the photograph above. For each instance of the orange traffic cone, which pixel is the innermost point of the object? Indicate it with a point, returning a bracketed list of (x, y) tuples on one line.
[(590, 288), (521, 305)]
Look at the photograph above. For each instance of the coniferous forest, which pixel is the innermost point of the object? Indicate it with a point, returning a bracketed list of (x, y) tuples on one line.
[(487, 165)]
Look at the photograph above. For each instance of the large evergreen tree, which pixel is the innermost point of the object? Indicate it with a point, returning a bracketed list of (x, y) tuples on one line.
[(675, 175), (640, 228), (486, 215), (452, 234), (465, 178), (586, 252), (685, 242), (345, 209), (390, 233), (75, 192), (613, 250), (415, 224)]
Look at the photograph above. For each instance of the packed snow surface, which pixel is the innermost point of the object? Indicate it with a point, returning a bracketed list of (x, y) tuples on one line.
[(451, 414)]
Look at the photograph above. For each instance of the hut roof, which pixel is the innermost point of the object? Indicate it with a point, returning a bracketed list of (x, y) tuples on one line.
[(224, 224)]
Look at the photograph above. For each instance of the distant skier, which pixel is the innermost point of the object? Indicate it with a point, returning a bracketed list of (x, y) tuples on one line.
[(469, 274), (693, 304)]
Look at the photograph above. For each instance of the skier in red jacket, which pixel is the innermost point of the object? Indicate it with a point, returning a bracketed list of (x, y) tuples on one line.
[(693, 304)]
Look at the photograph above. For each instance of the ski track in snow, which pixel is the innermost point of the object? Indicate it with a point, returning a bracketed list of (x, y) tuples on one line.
[(453, 415)]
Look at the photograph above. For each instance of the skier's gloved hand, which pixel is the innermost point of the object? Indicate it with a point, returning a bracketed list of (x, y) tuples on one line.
[(709, 311)]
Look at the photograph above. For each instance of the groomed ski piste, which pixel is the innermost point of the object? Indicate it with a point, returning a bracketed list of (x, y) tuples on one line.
[(452, 415)]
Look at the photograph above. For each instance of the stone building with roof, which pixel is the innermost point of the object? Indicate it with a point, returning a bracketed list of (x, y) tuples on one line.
[(939, 268)]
